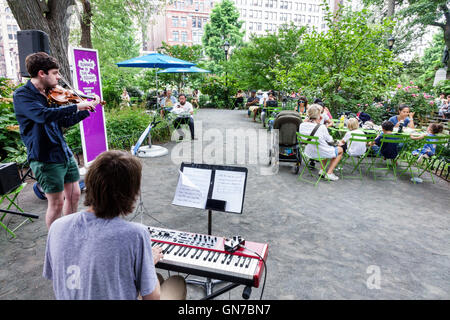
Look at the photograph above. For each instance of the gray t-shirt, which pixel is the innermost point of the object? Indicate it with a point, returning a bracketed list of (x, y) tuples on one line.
[(89, 258)]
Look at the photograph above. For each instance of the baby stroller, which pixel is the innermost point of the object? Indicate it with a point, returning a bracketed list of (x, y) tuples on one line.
[(288, 122)]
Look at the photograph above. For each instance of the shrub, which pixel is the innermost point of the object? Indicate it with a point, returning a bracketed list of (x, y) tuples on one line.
[(422, 103)]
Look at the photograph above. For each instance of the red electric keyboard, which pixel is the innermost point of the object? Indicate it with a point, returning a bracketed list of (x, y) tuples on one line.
[(205, 256)]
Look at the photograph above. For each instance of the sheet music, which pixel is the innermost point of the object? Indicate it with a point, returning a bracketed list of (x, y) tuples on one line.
[(229, 186), (192, 189)]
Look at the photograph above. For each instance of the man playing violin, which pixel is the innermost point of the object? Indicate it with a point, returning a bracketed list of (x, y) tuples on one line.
[(41, 124)]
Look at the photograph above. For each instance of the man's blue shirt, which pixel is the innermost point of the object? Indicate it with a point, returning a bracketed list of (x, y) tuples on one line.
[(41, 124)]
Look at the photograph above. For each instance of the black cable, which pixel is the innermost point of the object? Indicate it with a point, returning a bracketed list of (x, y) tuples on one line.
[(265, 268)]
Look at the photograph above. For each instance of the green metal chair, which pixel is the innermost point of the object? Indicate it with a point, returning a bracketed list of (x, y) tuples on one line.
[(357, 160), (12, 197), (270, 114), (425, 164), (303, 141), (388, 164)]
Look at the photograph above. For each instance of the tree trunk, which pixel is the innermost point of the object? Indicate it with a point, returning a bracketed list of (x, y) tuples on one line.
[(390, 8), (85, 22), (30, 15)]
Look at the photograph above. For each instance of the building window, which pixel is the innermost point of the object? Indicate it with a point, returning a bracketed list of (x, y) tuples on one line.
[(183, 22), (184, 37), (194, 22), (175, 36), (174, 21)]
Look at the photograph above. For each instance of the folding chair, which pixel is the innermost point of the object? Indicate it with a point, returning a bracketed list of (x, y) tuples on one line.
[(425, 164), (303, 141), (396, 139), (11, 197), (357, 160)]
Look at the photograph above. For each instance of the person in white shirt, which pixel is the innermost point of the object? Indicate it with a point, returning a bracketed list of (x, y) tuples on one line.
[(184, 111), (354, 148), (326, 151)]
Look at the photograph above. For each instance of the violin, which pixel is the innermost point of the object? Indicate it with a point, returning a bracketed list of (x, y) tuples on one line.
[(62, 96)]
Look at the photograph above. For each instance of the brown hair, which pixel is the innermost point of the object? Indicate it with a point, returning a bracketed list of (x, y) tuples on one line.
[(40, 61), (436, 128), (112, 183)]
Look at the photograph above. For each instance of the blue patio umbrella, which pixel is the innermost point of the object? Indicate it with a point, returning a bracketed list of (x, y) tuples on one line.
[(155, 60), (192, 69)]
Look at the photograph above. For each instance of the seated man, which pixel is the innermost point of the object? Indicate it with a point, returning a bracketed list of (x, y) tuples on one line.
[(252, 104), (167, 103), (184, 111), (95, 254)]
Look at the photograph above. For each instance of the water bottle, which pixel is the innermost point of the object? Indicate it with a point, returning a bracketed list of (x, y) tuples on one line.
[(341, 122)]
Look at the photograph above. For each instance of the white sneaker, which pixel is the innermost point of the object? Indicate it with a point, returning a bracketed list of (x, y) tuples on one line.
[(332, 176)]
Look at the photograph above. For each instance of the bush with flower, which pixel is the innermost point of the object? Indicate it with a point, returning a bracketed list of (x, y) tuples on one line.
[(420, 102)]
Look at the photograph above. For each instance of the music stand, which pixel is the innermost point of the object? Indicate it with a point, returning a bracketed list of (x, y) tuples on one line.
[(150, 151), (222, 203)]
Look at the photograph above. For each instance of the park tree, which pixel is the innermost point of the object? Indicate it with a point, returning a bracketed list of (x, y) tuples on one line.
[(255, 65), (223, 25), (348, 64), (49, 16), (420, 14)]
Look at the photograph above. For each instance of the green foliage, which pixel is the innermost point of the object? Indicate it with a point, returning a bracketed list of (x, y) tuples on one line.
[(223, 25), (347, 64), (11, 146), (217, 92), (257, 64), (123, 128), (442, 87), (421, 103)]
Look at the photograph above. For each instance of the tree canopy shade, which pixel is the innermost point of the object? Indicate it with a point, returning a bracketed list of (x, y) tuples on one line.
[(422, 13), (256, 64), (224, 25), (351, 58), (50, 17)]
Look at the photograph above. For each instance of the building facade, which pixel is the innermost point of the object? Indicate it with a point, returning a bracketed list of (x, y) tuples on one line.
[(9, 52), (181, 22)]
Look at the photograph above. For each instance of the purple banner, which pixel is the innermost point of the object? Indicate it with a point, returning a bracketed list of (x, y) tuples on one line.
[(87, 80)]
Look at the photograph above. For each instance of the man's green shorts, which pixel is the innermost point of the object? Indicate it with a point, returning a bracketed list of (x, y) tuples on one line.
[(53, 176)]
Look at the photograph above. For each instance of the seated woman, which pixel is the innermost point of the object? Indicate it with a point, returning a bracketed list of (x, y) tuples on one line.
[(404, 117), (302, 105), (239, 99), (429, 149), (326, 151), (353, 148)]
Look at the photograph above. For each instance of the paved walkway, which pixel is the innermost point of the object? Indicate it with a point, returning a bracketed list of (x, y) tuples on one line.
[(331, 242)]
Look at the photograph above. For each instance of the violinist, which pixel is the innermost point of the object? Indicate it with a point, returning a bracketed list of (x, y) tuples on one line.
[(41, 124)]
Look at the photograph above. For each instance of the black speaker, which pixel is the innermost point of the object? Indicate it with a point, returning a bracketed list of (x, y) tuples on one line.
[(9, 177), (28, 42)]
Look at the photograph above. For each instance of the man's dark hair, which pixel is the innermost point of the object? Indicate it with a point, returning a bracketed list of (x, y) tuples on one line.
[(387, 125), (181, 94), (40, 61), (112, 183)]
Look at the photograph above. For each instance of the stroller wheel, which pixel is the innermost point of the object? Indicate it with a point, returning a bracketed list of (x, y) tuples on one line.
[(296, 168)]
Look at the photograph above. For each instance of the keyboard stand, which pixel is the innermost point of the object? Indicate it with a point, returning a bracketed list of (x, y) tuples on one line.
[(209, 283)]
